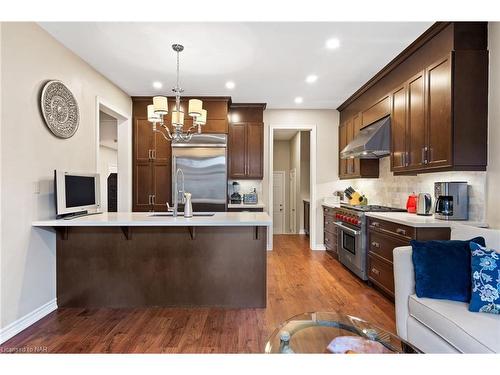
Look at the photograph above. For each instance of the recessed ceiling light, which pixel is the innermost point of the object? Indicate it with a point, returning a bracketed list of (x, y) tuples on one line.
[(311, 78), (230, 85), (157, 85), (332, 43), (298, 100)]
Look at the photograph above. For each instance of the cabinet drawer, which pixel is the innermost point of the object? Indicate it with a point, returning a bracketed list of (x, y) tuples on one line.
[(328, 224), (381, 274), (330, 242), (328, 211), (383, 245), (396, 229)]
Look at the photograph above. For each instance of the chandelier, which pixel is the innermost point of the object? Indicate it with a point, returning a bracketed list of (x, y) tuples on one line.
[(159, 109)]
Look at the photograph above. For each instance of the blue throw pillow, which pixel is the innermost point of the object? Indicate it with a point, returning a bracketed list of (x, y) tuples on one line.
[(443, 268), (485, 280)]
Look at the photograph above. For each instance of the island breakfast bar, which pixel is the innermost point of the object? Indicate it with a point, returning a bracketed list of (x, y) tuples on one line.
[(147, 259)]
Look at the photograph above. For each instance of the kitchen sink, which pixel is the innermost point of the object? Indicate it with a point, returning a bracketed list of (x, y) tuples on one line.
[(182, 214)]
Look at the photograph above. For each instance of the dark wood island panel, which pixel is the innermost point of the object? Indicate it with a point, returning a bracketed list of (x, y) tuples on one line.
[(161, 266)]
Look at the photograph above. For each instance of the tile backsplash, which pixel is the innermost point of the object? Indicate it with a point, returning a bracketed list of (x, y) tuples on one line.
[(393, 190)]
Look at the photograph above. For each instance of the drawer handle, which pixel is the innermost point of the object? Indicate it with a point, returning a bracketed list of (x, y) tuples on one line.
[(375, 271), (327, 240), (327, 222), (375, 244), (375, 224), (401, 231)]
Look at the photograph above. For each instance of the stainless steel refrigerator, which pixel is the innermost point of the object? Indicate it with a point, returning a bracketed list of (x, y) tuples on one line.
[(203, 161)]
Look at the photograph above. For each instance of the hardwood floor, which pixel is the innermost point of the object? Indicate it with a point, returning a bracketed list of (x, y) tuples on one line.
[(299, 280)]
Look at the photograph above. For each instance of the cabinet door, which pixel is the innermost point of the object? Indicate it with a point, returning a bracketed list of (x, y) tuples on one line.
[(143, 140), (342, 144), (162, 185), (439, 126), (416, 132), (162, 149), (398, 129), (143, 189), (356, 163), (255, 150), (349, 137), (237, 150)]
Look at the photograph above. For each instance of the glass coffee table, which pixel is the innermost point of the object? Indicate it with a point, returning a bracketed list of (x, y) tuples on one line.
[(313, 333)]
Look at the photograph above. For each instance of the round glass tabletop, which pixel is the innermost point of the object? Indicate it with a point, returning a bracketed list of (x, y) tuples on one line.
[(326, 332)]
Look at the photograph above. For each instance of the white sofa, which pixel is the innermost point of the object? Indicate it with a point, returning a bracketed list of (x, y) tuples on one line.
[(441, 326)]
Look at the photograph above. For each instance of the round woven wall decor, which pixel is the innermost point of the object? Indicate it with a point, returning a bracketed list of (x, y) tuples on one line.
[(60, 109)]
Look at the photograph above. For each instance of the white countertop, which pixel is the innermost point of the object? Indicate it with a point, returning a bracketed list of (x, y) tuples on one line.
[(414, 220), (247, 205), (144, 219), (331, 205)]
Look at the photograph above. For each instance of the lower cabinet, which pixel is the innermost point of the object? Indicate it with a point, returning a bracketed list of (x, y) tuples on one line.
[(330, 231), (246, 209), (383, 237)]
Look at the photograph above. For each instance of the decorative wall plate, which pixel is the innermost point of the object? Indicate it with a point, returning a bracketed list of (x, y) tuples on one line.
[(60, 109)]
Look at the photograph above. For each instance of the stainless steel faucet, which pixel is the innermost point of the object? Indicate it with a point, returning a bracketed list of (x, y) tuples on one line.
[(175, 209)]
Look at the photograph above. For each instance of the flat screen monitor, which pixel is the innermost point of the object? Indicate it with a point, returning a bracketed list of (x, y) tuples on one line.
[(76, 192)]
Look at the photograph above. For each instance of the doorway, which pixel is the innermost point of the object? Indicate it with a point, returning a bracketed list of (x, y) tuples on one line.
[(114, 156), (279, 202), (292, 153)]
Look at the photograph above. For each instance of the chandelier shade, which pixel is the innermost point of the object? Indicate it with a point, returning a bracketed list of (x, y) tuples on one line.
[(152, 116), (201, 119), (177, 118), (195, 107), (160, 105)]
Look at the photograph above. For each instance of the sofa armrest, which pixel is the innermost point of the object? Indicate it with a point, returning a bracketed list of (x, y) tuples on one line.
[(404, 286)]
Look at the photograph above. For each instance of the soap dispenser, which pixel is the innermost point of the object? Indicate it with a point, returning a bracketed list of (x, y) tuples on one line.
[(188, 207)]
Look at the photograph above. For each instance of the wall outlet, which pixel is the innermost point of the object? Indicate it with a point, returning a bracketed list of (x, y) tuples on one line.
[(36, 187)]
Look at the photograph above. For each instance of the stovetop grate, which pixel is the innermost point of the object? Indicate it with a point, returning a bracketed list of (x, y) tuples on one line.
[(372, 208)]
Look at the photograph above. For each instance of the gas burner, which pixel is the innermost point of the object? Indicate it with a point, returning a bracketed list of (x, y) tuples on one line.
[(372, 208)]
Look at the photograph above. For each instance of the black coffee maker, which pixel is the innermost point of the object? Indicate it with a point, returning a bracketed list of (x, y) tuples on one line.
[(236, 196)]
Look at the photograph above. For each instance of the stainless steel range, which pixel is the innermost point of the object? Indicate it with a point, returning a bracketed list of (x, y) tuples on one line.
[(352, 233)]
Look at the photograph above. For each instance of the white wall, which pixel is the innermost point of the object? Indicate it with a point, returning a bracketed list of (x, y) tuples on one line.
[(326, 123), (493, 180), (30, 153)]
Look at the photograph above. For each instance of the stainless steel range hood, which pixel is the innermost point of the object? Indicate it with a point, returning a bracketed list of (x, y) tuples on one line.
[(372, 142)]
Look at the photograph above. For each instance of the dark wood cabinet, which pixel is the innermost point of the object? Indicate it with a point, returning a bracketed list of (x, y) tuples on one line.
[(307, 213), (438, 101), (383, 237), (246, 141), (330, 232), (152, 153)]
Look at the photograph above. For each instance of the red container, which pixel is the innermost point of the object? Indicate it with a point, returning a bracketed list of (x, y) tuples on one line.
[(411, 204)]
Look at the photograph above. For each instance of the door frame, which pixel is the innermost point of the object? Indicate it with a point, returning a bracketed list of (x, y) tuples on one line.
[(312, 181), (283, 193), (124, 128), (293, 201)]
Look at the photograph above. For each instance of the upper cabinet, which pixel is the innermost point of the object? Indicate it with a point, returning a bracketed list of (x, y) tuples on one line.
[(246, 141), (436, 92)]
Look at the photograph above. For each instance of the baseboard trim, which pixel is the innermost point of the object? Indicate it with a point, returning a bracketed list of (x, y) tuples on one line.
[(29, 319), (319, 247), (302, 231)]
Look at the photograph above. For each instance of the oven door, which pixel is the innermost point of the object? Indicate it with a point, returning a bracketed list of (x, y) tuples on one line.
[(350, 247)]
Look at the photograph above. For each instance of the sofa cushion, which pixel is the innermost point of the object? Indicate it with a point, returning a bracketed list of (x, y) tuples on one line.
[(467, 331), (442, 268), (485, 280)]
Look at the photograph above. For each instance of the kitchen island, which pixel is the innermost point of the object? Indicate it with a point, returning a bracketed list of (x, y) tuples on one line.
[(148, 259)]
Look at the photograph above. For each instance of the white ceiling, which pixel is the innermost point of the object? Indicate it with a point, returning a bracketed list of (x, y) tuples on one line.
[(284, 134), (267, 61)]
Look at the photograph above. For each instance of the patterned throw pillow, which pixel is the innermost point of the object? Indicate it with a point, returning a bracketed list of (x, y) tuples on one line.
[(485, 280)]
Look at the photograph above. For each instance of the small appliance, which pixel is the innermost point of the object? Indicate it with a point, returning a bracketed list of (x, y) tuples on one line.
[(424, 204), (452, 200), (411, 204), (236, 196), (250, 198)]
